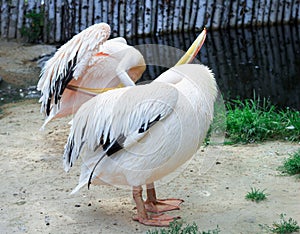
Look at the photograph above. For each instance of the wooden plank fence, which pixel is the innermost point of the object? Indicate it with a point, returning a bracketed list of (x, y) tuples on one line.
[(52, 21)]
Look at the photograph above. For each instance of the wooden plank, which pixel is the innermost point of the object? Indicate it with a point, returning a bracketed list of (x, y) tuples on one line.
[(225, 15), (194, 10), (171, 5), (4, 18), (97, 11), (31, 5), (58, 21), (51, 21), (29, 9), (279, 17), (217, 14), (287, 11), (166, 15), (122, 18), (233, 13), (273, 12), (13, 17), (77, 17), (249, 15), (115, 17), (105, 11), (260, 13), (69, 20), (46, 19), (20, 18), (90, 17), (128, 20), (134, 16), (209, 14), (187, 15), (110, 8), (159, 17), (200, 15), (296, 12), (38, 6), (177, 15), (140, 17), (266, 12), (83, 14), (147, 17), (241, 10)]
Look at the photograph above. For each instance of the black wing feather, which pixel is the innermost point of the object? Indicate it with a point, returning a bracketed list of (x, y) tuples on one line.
[(61, 84)]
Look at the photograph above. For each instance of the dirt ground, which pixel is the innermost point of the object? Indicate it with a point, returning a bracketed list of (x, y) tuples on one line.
[(35, 190)]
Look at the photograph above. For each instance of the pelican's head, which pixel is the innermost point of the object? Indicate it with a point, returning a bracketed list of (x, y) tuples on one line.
[(135, 72)]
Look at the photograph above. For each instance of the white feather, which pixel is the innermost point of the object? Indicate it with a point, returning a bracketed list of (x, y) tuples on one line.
[(100, 63), (183, 97), (83, 45), (118, 112)]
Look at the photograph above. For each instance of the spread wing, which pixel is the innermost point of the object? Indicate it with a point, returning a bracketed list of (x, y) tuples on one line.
[(118, 119), (69, 62)]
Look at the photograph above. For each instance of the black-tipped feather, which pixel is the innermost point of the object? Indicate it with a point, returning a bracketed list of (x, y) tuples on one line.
[(61, 84)]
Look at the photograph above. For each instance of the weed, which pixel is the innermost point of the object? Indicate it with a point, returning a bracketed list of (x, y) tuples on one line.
[(256, 195), (34, 31), (257, 120), (176, 227), (291, 166), (283, 226)]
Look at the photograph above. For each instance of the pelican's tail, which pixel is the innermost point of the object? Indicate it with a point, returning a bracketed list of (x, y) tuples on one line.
[(89, 163)]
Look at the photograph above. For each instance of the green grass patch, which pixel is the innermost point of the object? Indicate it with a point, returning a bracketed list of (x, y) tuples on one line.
[(256, 195), (284, 226), (258, 120), (177, 227), (291, 165)]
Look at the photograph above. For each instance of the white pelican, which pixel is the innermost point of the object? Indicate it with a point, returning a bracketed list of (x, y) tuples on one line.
[(82, 66), (137, 135), (134, 135)]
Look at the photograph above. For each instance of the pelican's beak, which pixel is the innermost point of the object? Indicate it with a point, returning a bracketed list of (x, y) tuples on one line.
[(193, 50), (91, 91)]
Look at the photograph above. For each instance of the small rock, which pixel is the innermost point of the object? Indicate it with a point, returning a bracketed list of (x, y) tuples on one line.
[(47, 220), (20, 203)]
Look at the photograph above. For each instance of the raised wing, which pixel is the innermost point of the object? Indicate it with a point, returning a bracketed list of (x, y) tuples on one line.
[(110, 68), (69, 62), (118, 119)]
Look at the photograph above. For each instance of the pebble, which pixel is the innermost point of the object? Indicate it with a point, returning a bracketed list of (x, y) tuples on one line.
[(47, 220)]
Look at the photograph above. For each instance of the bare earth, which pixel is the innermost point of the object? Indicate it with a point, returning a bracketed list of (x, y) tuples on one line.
[(35, 190)]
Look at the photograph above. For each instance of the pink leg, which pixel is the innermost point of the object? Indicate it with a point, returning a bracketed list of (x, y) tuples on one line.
[(155, 205), (159, 220)]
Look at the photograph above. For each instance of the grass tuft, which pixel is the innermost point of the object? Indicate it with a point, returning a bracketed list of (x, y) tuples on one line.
[(283, 226), (291, 165), (256, 195), (257, 120), (176, 227)]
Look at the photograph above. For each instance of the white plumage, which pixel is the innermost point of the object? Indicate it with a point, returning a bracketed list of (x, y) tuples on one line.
[(84, 65), (182, 98), (131, 136)]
